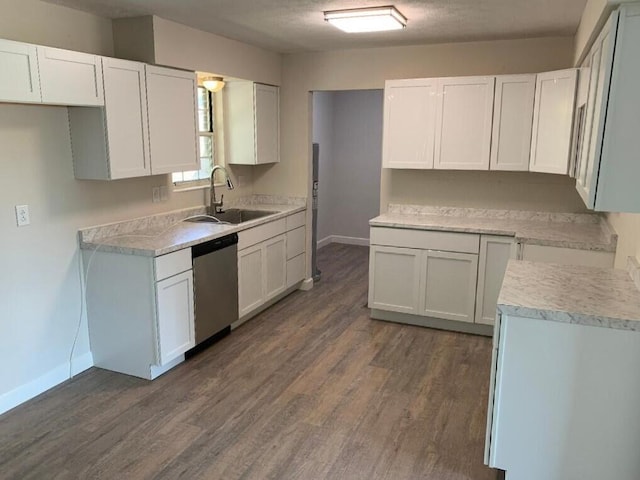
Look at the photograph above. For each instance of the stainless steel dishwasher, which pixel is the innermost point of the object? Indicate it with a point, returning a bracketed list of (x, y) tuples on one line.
[(215, 274)]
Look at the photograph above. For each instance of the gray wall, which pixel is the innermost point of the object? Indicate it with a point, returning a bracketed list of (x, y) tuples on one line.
[(348, 127)]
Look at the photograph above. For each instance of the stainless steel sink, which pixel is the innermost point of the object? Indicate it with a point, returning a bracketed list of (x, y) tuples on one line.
[(234, 216)]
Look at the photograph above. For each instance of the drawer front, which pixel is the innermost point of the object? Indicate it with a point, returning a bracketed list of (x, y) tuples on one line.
[(426, 239), (295, 270), (173, 263), (252, 236), (295, 242), (296, 220)]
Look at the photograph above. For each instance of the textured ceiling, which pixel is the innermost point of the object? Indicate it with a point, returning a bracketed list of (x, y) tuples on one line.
[(298, 25)]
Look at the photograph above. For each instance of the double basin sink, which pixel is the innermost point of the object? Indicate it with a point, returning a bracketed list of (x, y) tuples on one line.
[(233, 216)]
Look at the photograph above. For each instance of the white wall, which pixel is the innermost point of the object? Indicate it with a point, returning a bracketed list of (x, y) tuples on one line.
[(350, 123), (323, 115)]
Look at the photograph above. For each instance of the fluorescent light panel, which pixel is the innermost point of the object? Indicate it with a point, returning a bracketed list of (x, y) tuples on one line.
[(358, 20)]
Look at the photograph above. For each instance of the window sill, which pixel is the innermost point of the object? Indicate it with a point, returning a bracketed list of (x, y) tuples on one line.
[(192, 188)]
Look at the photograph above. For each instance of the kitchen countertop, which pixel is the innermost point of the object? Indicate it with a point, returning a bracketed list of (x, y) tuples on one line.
[(599, 297), (165, 233), (579, 231)]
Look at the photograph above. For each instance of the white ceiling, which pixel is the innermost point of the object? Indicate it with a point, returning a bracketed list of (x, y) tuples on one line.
[(297, 25)]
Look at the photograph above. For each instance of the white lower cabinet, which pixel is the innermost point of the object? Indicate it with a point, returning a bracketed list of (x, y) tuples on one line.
[(495, 252), (563, 401), (448, 285), (140, 311), (268, 264), (176, 332), (250, 279), (421, 281), (394, 279), (262, 273), (416, 276), (275, 258)]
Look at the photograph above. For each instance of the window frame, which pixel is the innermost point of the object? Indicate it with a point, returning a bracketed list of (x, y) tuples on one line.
[(186, 185)]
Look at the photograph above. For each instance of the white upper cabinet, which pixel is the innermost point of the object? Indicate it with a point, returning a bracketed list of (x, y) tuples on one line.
[(267, 125), (126, 118), (113, 143), (609, 168), (19, 77), (409, 123), (70, 78), (512, 122), (252, 123), (553, 121), (463, 123), (172, 108)]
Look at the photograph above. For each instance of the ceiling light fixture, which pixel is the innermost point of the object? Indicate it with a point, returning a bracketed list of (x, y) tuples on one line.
[(357, 20), (213, 84)]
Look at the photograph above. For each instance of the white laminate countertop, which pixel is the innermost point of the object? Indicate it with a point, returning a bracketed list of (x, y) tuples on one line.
[(579, 231), (600, 297), (166, 233)]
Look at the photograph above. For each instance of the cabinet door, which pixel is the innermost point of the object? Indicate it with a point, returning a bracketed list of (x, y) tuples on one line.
[(19, 77), (275, 268), (267, 121), (173, 131), (176, 328), (553, 121), (126, 118), (495, 253), (70, 78), (512, 122), (463, 123), (409, 123), (250, 279), (394, 279), (448, 285)]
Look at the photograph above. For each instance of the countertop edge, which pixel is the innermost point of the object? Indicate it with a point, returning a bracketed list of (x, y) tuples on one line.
[(572, 318)]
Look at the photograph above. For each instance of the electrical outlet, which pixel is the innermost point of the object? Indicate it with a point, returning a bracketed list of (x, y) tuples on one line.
[(164, 193), (155, 194), (22, 215)]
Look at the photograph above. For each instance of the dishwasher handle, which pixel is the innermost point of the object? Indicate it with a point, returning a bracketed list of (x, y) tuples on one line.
[(214, 245)]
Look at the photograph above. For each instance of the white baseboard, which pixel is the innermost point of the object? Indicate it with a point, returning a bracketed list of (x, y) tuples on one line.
[(306, 285), (325, 241), (41, 384), (364, 242)]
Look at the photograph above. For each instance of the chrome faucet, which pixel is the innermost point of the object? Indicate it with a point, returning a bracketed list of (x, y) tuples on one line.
[(215, 206)]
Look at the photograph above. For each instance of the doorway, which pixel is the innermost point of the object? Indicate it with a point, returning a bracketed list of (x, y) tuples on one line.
[(347, 126)]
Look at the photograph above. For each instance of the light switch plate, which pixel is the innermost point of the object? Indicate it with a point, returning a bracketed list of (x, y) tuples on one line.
[(22, 215), (164, 193), (155, 194)]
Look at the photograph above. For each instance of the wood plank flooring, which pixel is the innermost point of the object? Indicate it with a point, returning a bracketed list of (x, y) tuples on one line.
[(310, 389)]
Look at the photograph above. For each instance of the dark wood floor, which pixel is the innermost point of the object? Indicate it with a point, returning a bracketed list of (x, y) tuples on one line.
[(310, 389)]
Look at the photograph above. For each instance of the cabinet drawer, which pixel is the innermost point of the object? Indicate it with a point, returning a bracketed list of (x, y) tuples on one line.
[(295, 270), (296, 220), (254, 235), (426, 239), (295, 242), (173, 263)]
